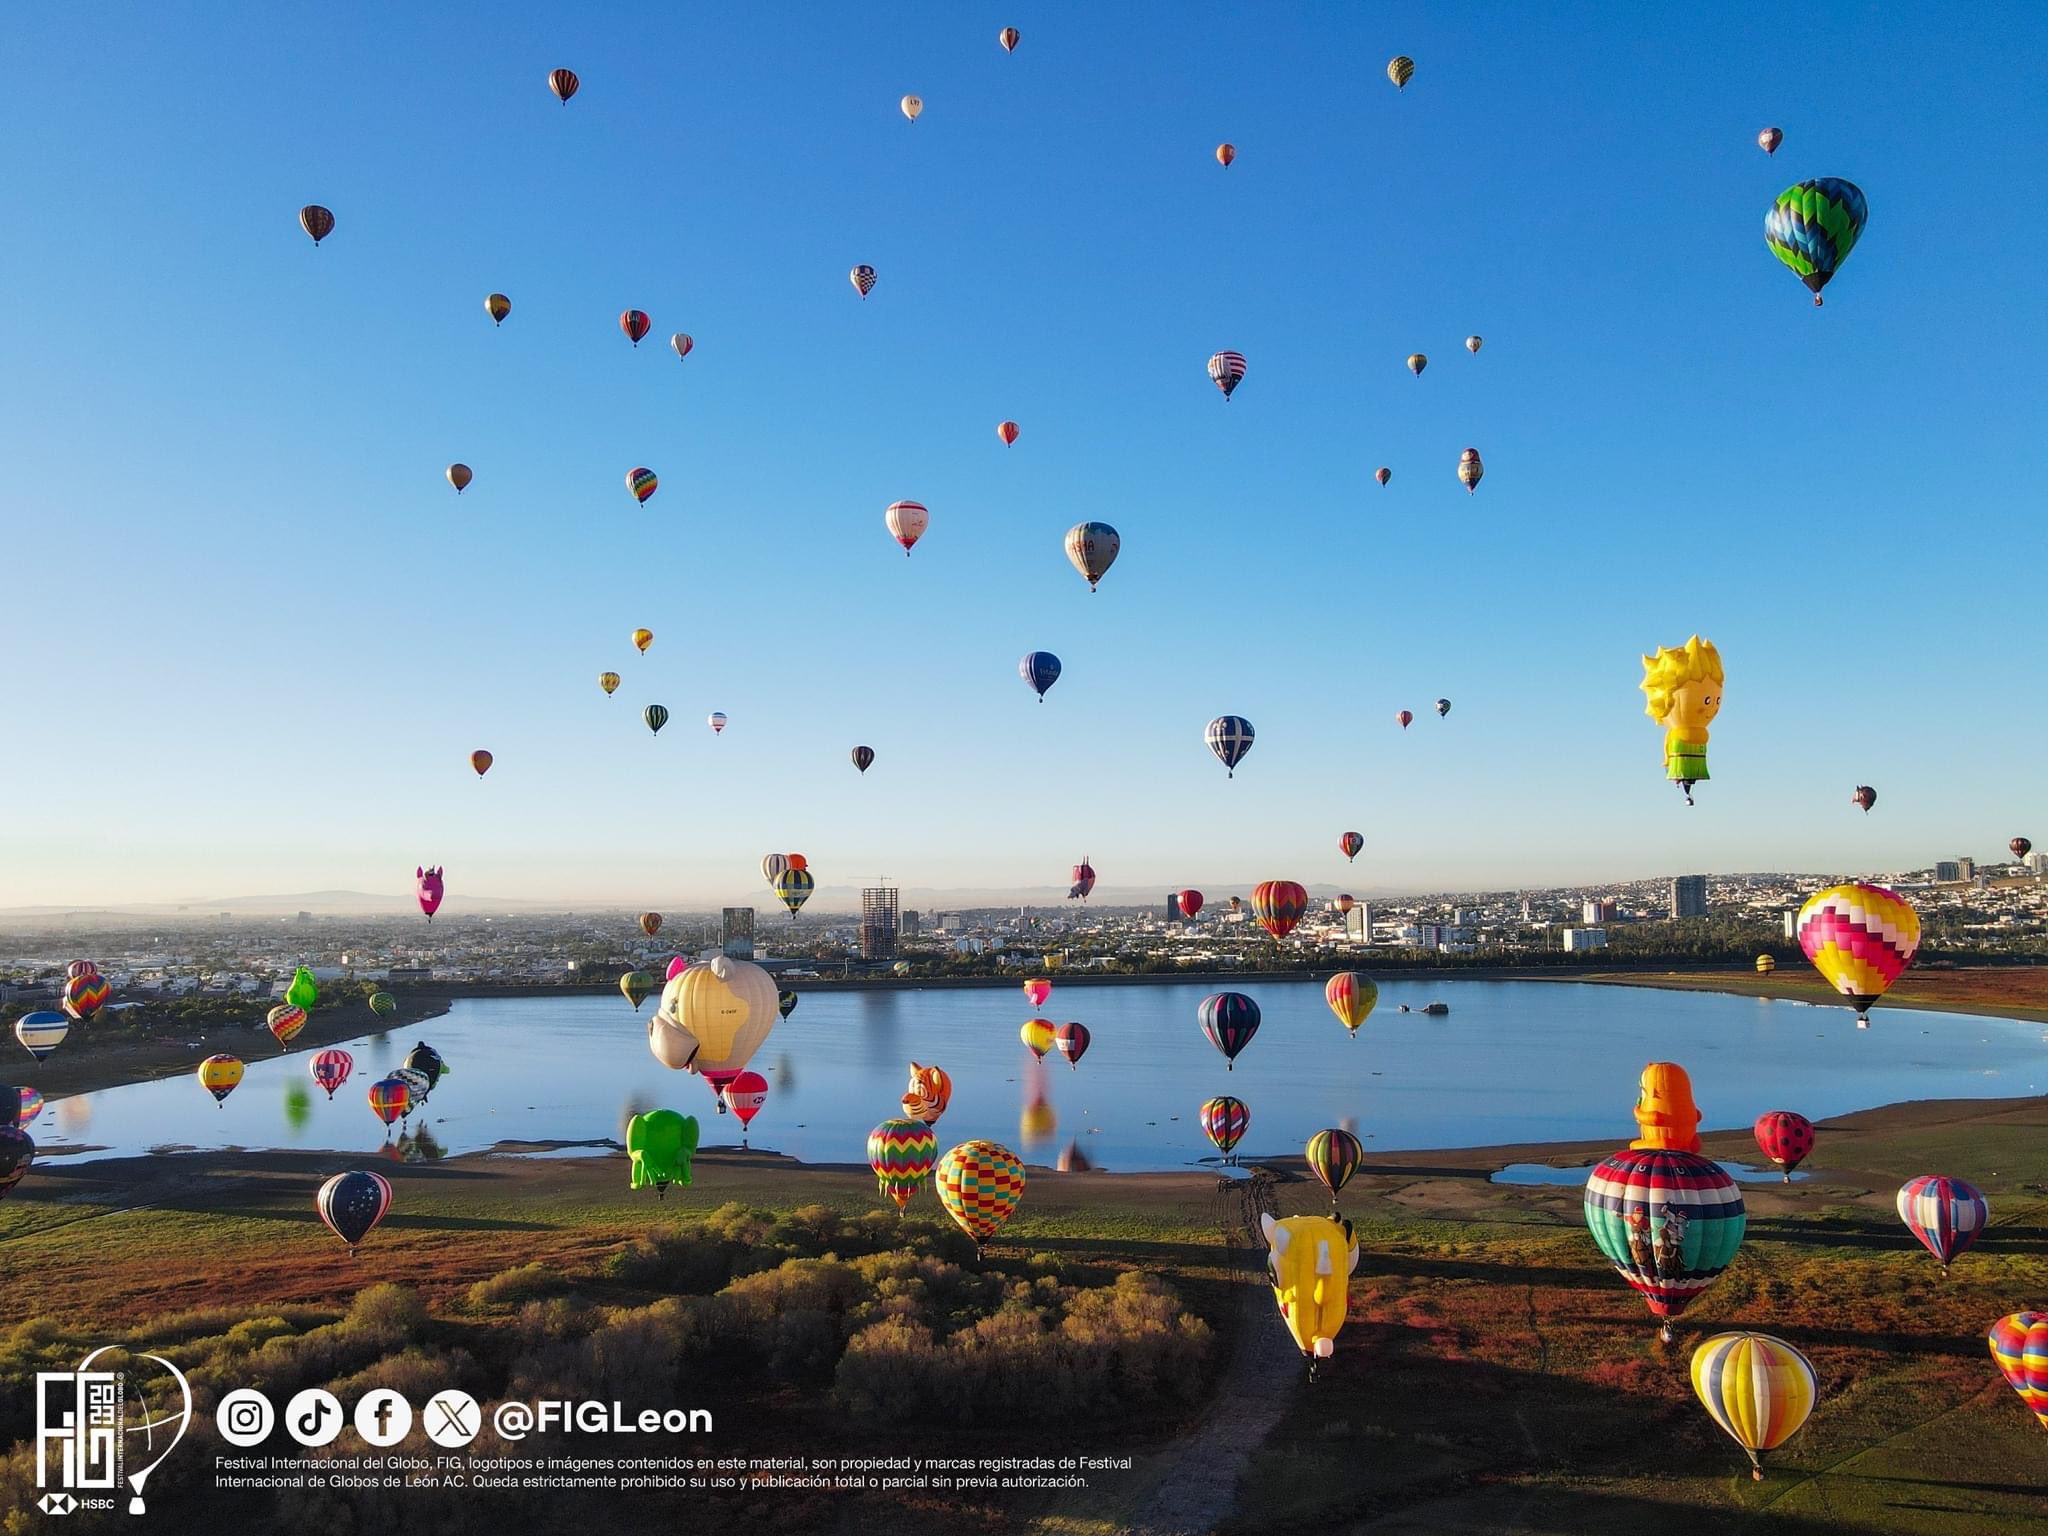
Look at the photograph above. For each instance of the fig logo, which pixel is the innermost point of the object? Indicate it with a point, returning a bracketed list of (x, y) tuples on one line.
[(98, 1427)]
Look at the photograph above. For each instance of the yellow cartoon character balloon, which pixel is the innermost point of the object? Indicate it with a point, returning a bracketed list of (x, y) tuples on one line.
[(1311, 1258), (1665, 1114), (713, 1018), (1684, 687)]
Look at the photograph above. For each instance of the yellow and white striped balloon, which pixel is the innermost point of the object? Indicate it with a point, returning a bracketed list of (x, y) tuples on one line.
[(1758, 1388)]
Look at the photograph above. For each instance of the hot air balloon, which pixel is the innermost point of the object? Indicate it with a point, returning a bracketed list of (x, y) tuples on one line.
[(285, 1021), (1229, 1019), (1860, 938), (1007, 431), (1333, 1156), (1278, 905), (31, 1106), (1081, 880), (1229, 737), (1405, 717), (1947, 1215), (1443, 708), (1071, 1041), (635, 324), (1037, 1036), (416, 1085), (1224, 1122), (636, 985), (1474, 343), (2021, 847), (1666, 1117), (79, 968), (773, 865), (650, 923), (911, 106), (1237, 903), (714, 1017), (1350, 844), (429, 887), (930, 1091), (642, 638), (863, 758), (1008, 38), (1684, 685), (1864, 796), (661, 1144), (383, 1004), (1344, 903), (390, 1098), (1225, 153), (716, 720), (1311, 1259), (744, 1096), (609, 682), (85, 996), (330, 1069), (980, 1185), (1471, 470), (682, 343), (1092, 548), (563, 83), (218, 1076), (1668, 1221), (902, 1153), (1784, 1138), (1769, 140), (1765, 964), (785, 1002), (316, 221), (794, 887), (1351, 997), (459, 476), (352, 1204), (1041, 669), (481, 761), (1190, 904), (643, 483), (1227, 369), (1383, 474), (906, 522), (1416, 363), (656, 716), (1037, 990), (17, 1152), (863, 278), (1814, 226), (497, 306), (42, 1031), (1758, 1388), (1401, 70), (2019, 1344)]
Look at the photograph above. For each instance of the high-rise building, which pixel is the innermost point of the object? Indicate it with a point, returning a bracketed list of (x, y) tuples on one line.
[(1429, 936), (1358, 923), (1599, 911), (1792, 924), (1173, 906), (2038, 863), (878, 922), (1947, 871), (1462, 917), (1688, 895), (736, 934), (1578, 940), (1528, 911), (911, 923), (1966, 869)]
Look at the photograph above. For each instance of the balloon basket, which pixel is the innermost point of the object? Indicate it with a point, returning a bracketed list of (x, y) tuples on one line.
[(1664, 1334)]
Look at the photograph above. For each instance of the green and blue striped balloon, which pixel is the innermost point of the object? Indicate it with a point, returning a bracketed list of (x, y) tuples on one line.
[(1813, 227)]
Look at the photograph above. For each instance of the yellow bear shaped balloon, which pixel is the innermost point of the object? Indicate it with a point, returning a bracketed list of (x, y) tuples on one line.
[(1311, 1258), (1665, 1114)]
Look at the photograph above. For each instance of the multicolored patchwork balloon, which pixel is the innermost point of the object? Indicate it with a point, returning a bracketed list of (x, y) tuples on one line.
[(352, 1204), (285, 1021), (902, 1154), (1861, 938), (1668, 1221), (1278, 905), (1758, 1388), (863, 278), (1229, 1019), (2019, 1343), (980, 1185), (1784, 1138), (1947, 1215), (1333, 1156), (1224, 1121), (1814, 226)]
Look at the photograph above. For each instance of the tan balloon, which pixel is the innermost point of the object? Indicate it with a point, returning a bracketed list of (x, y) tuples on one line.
[(713, 1017), (912, 105)]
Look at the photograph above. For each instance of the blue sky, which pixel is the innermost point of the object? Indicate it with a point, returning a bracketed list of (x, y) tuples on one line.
[(253, 635)]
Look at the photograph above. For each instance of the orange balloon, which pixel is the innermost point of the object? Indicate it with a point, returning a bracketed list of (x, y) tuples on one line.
[(481, 761), (798, 861), (1225, 153)]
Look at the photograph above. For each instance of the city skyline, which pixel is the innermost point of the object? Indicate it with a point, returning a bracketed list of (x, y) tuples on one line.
[(262, 633)]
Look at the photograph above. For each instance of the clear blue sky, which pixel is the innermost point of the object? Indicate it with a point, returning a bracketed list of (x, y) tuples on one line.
[(252, 635)]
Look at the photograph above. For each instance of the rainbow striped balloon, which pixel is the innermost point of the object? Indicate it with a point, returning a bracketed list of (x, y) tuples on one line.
[(1278, 905), (2019, 1343), (1351, 997), (1758, 1388), (980, 1185), (1224, 1121), (1861, 938), (1668, 1221), (1947, 1215), (31, 1106), (1229, 1019), (902, 1153), (643, 483), (84, 996), (1333, 1156)]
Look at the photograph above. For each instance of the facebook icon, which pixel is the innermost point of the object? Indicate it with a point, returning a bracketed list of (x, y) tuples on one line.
[(383, 1417)]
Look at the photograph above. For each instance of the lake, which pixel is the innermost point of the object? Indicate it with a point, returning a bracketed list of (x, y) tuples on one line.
[(1515, 1061)]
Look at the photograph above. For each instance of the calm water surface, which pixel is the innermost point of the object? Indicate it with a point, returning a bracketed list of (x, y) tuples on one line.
[(1513, 1062)]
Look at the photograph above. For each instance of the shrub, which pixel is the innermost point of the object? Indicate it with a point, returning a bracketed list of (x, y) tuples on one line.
[(529, 1282)]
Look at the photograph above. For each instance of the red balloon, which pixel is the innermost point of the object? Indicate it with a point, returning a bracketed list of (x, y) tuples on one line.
[(635, 324), (1784, 1138), (1190, 903)]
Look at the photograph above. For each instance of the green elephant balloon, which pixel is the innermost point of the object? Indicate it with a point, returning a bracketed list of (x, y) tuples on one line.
[(383, 1004), (304, 992), (661, 1144)]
